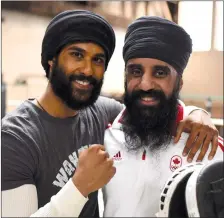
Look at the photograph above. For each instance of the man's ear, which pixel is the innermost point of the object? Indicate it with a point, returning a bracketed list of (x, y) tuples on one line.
[(51, 63), (181, 83)]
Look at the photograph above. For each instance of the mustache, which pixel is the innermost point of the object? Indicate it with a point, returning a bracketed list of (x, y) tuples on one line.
[(156, 94), (82, 77)]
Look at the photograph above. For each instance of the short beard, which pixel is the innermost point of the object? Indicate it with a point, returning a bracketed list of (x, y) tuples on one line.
[(73, 98), (149, 126)]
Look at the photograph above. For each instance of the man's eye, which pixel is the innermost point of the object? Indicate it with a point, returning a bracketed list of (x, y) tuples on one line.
[(99, 60), (77, 54), (161, 73), (136, 72)]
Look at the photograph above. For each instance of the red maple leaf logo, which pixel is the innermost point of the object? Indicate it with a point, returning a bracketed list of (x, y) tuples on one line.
[(176, 161)]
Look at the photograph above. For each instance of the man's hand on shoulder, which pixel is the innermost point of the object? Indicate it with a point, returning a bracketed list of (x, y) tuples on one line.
[(202, 132)]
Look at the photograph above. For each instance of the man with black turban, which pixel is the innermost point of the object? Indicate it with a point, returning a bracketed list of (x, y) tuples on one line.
[(140, 140), (43, 138)]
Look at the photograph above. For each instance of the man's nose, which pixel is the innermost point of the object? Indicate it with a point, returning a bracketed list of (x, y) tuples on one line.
[(147, 83), (87, 68)]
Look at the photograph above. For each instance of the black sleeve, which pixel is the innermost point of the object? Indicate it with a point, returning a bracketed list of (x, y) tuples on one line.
[(18, 162)]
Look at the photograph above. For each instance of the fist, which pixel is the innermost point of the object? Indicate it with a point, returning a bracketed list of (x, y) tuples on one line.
[(94, 170)]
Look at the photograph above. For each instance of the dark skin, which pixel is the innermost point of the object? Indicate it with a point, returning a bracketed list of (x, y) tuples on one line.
[(89, 58), (145, 74), (198, 124)]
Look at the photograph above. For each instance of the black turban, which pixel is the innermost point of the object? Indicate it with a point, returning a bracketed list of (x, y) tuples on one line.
[(76, 26), (158, 38)]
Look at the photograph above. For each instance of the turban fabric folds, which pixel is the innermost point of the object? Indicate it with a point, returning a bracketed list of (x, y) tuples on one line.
[(158, 38), (76, 26)]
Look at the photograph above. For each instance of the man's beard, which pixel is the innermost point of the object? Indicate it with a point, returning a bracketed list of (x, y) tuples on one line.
[(149, 126), (74, 98)]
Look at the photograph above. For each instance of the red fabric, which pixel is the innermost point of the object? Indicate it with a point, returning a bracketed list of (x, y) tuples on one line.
[(180, 113), (220, 143), (144, 155), (108, 126)]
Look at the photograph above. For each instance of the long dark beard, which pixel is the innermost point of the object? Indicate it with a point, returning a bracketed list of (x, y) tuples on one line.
[(149, 126), (74, 98)]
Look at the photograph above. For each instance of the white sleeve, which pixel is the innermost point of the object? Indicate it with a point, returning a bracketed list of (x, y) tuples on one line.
[(189, 109), (22, 202)]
